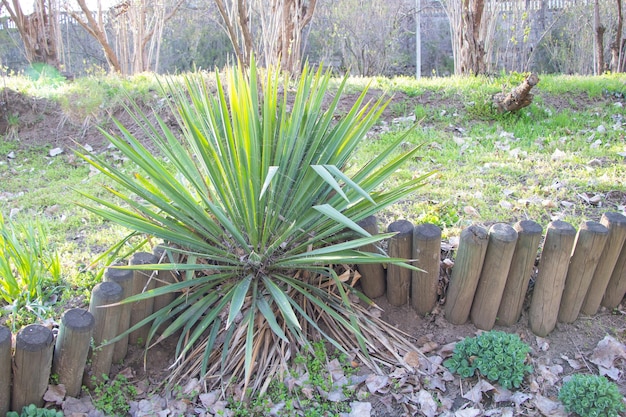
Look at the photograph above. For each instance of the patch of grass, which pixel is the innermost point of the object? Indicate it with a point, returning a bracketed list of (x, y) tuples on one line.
[(533, 164)]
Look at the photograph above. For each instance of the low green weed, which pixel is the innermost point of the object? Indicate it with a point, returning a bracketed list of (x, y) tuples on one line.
[(498, 356), (301, 399), (591, 396), (113, 397), (33, 411)]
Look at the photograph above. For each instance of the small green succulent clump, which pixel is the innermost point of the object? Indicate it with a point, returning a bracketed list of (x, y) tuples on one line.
[(591, 396), (498, 356), (33, 411)]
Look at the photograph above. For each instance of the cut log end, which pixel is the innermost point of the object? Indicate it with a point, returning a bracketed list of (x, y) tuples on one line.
[(518, 98)]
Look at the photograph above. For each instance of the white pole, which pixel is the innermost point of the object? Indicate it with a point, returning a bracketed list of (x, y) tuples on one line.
[(418, 40)]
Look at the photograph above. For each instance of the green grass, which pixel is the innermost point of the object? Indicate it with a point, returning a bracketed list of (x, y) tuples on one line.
[(491, 167)]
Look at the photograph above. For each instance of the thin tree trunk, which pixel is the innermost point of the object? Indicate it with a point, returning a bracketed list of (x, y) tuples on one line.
[(246, 32), (599, 35), (616, 44)]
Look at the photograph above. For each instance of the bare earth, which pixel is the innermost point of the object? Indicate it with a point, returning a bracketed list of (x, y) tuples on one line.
[(568, 349)]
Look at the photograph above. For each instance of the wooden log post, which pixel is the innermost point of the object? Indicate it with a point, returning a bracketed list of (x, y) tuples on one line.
[(427, 253), (31, 366), (372, 275), (71, 349), (616, 223), (465, 273), (617, 284), (555, 256), (106, 317), (522, 265), (124, 278), (399, 278), (589, 245), (163, 278), (5, 369), (492, 280), (142, 281)]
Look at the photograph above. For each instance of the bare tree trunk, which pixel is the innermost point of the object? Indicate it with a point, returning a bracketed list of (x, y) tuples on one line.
[(96, 29), (616, 44), (39, 30), (471, 28), (472, 46), (296, 14), (599, 35)]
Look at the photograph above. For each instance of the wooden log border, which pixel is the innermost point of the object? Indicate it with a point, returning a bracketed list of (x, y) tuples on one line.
[(574, 273)]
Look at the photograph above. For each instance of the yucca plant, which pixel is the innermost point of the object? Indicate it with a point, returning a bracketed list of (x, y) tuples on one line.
[(258, 203)]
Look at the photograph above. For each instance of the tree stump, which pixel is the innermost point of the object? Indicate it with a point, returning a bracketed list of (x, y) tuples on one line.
[(519, 97), (142, 281), (5, 369), (124, 278), (372, 275), (106, 324), (587, 250), (522, 265), (31, 366), (399, 278), (557, 250), (616, 223), (465, 274), (492, 280), (427, 253), (617, 284), (71, 349)]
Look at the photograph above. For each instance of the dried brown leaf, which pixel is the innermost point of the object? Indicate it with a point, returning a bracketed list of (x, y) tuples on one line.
[(55, 394), (549, 408), (428, 405), (476, 393)]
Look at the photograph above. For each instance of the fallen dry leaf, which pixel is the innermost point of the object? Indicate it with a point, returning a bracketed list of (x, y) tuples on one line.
[(542, 344), (605, 354), (375, 383), (468, 412), (549, 408), (502, 395), (548, 204), (506, 205), (476, 393), (360, 409), (427, 403), (520, 398), (550, 374), (471, 211), (574, 363), (412, 359), (558, 155), (208, 399), (55, 394), (429, 347)]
